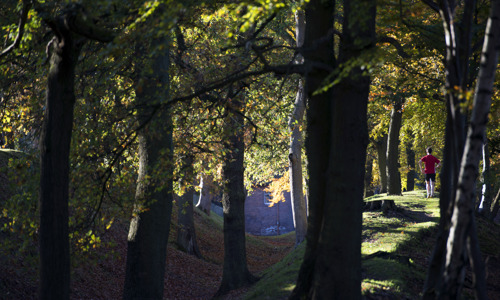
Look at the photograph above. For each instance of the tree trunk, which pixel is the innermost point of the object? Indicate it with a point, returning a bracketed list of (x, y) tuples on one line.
[(495, 206), (68, 30), (150, 224), (336, 146), (393, 175), (186, 235), (235, 270), (487, 186), (453, 149), (410, 158), (367, 191), (295, 154), (54, 165), (463, 233), (381, 147), (457, 59), (435, 271), (205, 199), (319, 22)]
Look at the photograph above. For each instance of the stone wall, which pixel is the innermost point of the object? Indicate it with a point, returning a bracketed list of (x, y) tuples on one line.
[(261, 219)]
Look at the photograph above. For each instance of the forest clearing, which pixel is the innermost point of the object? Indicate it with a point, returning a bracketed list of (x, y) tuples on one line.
[(396, 248), (124, 124)]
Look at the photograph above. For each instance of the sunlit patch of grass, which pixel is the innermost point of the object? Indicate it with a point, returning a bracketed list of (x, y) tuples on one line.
[(279, 280), (384, 277), (288, 288), (385, 269), (371, 286)]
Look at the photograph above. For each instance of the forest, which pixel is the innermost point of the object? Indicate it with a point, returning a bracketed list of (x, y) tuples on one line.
[(123, 122)]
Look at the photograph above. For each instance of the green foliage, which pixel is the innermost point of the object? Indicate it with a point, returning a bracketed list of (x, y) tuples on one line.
[(206, 51), (19, 210)]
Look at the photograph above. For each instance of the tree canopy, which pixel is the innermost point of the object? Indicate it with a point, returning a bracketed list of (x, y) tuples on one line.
[(231, 62)]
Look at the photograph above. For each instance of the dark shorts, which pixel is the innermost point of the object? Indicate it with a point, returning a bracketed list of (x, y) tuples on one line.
[(430, 177)]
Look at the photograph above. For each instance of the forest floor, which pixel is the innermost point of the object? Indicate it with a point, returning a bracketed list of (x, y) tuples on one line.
[(396, 248), (101, 273)]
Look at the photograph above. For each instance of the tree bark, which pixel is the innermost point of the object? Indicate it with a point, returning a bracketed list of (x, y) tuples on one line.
[(150, 224), (54, 165), (456, 67), (433, 281), (381, 147), (205, 199), (487, 186), (295, 153), (367, 191), (336, 142), (318, 47), (70, 30), (235, 270), (393, 175), (410, 158), (463, 230), (495, 206), (186, 234)]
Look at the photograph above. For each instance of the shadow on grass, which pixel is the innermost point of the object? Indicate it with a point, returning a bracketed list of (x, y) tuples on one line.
[(400, 273), (394, 272)]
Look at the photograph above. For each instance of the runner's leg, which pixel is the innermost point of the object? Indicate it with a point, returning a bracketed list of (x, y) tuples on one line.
[(432, 187), (428, 188)]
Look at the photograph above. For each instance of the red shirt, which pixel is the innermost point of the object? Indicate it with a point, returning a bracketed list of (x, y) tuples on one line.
[(430, 161)]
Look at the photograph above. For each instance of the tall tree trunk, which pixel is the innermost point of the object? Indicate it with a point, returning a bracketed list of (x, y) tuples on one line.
[(367, 191), (186, 234), (69, 29), (295, 154), (235, 270), (337, 137), (205, 199), (150, 224), (456, 68), (495, 206), (410, 158), (435, 271), (487, 186), (381, 147), (463, 235), (393, 175), (392, 167), (319, 21), (54, 161)]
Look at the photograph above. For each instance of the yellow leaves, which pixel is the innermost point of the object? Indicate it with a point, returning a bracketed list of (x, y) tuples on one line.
[(278, 187), (109, 223), (387, 106), (88, 241), (6, 119), (464, 95)]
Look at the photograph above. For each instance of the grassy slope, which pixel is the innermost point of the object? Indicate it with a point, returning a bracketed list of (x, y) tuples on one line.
[(395, 250)]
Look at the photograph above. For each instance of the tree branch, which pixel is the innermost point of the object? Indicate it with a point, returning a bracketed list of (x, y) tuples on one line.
[(22, 22), (433, 5), (79, 22), (395, 43)]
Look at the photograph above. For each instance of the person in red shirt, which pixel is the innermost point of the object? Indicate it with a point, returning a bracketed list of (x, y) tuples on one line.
[(430, 171)]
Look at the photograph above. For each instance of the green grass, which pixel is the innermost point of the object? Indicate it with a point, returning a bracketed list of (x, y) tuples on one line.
[(388, 240), (278, 281)]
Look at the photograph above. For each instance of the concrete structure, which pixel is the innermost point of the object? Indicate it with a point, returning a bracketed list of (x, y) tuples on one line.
[(262, 219)]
